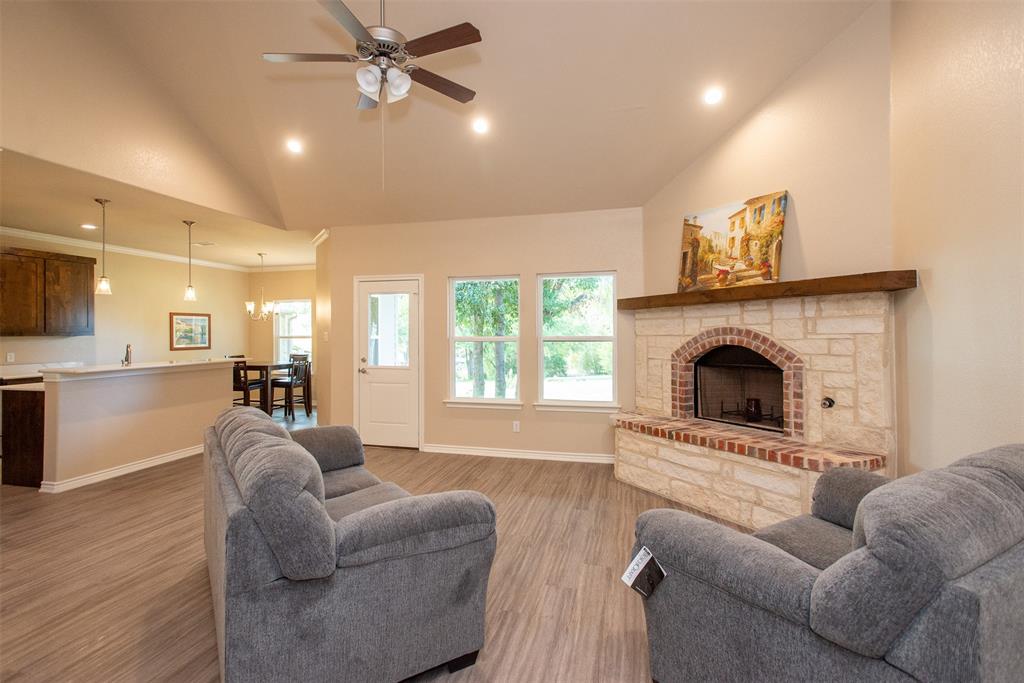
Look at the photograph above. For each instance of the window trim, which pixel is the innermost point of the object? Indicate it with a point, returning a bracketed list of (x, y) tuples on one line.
[(577, 405), (513, 403), (278, 337)]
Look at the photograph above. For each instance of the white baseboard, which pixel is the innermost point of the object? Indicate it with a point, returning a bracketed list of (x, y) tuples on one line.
[(86, 479), (600, 458)]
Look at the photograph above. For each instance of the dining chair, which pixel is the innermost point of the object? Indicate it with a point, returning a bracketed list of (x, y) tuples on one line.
[(243, 383), (298, 378)]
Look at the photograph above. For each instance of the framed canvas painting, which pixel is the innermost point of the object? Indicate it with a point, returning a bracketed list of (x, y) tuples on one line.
[(190, 331), (737, 244)]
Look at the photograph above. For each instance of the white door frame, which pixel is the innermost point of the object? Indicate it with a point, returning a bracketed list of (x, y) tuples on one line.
[(356, 280)]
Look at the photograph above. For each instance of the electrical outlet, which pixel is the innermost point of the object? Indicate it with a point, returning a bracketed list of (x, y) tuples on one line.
[(515, 426), (10, 356), (324, 336)]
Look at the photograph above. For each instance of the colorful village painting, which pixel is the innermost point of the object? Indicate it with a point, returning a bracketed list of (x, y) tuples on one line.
[(738, 244)]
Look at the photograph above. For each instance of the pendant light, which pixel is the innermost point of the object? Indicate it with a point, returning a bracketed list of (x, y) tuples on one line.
[(266, 307), (103, 283), (190, 291)]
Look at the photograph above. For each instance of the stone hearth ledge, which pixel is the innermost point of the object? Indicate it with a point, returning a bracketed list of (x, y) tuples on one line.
[(749, 477), (753, 443)]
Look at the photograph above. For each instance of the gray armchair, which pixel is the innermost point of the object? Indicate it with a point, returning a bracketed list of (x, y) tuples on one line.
[(920, 578), (319, 571)]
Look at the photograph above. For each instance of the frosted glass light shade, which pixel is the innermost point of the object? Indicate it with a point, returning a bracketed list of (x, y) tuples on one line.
[(250, 307), (190, 293), (103, 285), (369, 78)]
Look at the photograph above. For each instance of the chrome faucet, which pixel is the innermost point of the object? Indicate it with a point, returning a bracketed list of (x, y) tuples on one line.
[(127, 360)]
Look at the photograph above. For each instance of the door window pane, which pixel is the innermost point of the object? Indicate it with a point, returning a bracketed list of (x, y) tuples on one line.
[(578, 371), (388, 343), (486, 369)]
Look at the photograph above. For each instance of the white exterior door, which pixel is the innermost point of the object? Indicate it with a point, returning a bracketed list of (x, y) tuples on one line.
[(387, 362)]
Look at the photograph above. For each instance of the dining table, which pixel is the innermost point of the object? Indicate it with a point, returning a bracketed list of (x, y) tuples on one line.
[(266, 370)]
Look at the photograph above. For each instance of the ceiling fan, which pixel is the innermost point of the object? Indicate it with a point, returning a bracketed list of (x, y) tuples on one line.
[(387, 55)]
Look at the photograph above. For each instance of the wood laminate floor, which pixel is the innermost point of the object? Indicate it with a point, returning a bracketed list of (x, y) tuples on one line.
[(109, 582)]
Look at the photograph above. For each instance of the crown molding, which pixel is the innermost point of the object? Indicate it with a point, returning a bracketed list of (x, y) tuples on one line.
[(321, 237), (283, 269), (144, 253)]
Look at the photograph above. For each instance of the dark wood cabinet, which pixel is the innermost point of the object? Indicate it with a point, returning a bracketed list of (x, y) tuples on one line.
[(22, 422), (22, 283), (46, 294)]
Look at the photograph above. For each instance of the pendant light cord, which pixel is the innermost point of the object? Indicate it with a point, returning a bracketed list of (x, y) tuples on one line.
[(103, 207)]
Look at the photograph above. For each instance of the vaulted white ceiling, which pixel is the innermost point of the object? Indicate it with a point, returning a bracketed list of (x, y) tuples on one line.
[(592, 104)]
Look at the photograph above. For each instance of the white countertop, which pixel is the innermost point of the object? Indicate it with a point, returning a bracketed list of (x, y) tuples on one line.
[(34, 386), (29, 370), (135, 368)]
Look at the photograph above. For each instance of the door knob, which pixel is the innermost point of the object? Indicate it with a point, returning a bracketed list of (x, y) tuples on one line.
[(363, 359), (362, 370)]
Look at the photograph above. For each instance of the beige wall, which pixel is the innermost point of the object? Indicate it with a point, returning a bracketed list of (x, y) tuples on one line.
[(824, 136), (524, 246), (958, 217), (277, 285), (323, 334), (146, 290)]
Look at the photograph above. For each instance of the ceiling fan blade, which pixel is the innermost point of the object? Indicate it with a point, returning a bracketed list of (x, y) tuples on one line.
[(307, 57), (365, 102), (348, 20), (442, 85), (445, 39)]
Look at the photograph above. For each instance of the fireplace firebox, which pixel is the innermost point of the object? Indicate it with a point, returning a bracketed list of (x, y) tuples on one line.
[(738, 385)]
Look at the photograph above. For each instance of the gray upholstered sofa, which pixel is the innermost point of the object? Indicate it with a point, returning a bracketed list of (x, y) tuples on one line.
[(920, 578), (321, 572)]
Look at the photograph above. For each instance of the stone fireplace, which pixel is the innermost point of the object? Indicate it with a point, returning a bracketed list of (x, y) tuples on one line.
[(740, 406)]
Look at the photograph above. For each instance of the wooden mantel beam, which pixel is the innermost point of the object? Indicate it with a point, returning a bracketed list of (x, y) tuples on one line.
[(884, 281)]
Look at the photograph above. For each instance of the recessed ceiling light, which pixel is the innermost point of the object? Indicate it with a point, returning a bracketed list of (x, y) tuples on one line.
[(481, 125), (713, 95), (88, 226), (294, 145), (204, 244)]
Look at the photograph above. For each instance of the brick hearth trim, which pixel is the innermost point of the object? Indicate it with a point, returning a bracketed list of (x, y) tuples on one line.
[(790, 363), (752, 443)]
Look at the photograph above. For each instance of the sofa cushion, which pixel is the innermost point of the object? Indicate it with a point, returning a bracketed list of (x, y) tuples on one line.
[(280, 483), (838, 493), (813, 540), (339, 482), (918, 533), (334, 447), (360, 500), (236, 422)]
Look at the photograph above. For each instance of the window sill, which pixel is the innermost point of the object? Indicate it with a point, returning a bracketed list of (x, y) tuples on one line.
[(491, 405), (577, 407)]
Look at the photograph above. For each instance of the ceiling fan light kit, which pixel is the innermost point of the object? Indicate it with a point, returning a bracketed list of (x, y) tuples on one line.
[(387, 56)]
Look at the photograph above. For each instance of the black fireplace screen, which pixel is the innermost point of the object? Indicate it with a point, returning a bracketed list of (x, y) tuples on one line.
[(735, 384)]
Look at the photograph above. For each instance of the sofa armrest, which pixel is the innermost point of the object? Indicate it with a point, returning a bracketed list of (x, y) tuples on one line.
[(413, 526), (334, 448), (839, 491), (738, 564)]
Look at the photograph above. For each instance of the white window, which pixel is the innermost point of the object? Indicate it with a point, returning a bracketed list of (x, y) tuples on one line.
[(293, 328), (577, 342), (484, 334)]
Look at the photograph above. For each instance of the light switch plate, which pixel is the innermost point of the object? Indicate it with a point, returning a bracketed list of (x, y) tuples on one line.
[(10, 356), (515, 426)]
